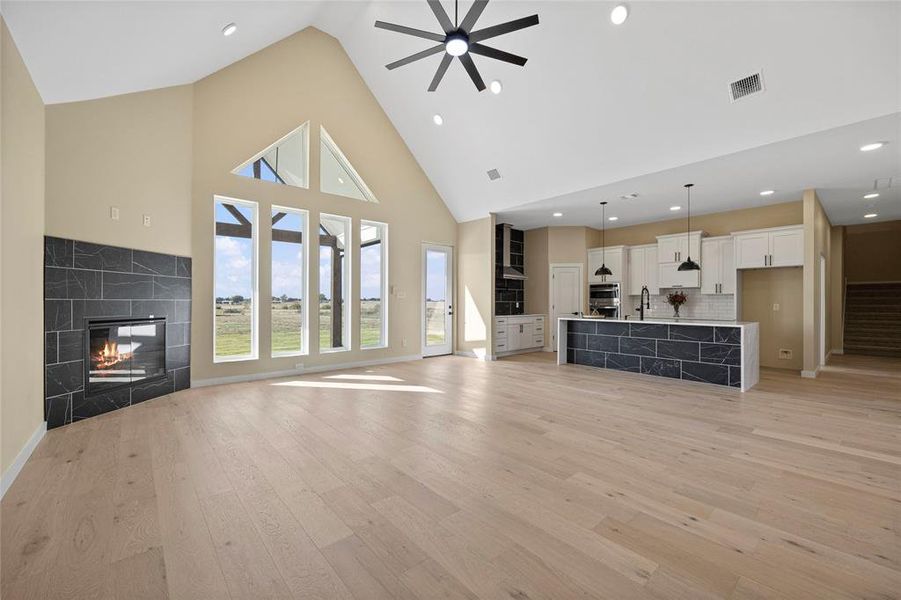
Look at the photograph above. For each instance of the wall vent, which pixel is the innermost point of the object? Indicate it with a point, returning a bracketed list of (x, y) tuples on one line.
[(494, 175), (746, 86)]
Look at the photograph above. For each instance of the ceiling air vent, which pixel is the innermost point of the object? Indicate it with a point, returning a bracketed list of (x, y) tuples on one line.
[(746, 86), (494, 175)]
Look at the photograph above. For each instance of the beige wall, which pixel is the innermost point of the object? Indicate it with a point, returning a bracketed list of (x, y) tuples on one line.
[(248, 105), (475, 286), (817, 243), (837, 290), (21, 253), (132, 152), (872, 252), (723, 223), (535, 259), (761, 289)]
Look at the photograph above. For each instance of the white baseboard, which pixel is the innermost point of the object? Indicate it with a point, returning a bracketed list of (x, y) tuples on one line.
[(810, 374), (295, 372), (13, 471), (837, 351)]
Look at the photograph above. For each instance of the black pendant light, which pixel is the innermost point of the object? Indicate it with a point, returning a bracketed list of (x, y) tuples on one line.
[(603, 269), (689, 265)]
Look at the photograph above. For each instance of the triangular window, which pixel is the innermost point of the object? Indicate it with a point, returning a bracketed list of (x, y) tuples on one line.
[(287, 161), (336, 174)]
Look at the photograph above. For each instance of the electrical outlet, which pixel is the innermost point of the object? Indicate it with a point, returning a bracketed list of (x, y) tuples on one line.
[(404, 343), (114, 213), (146, 220), (776, 307), (785, 354)]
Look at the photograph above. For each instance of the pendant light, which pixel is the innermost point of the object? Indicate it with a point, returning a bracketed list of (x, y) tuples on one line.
[(689, 265), (603, 269)]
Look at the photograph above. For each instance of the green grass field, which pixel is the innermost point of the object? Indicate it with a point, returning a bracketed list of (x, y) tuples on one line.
[(233, 327)]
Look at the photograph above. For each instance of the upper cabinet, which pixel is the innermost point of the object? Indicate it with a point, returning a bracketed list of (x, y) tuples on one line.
[(678, 247), (673, 250), (763, 248), (615, 257), (642, 270), (717, 265)]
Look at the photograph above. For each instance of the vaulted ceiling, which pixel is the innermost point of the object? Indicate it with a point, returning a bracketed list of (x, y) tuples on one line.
[(598, 111)]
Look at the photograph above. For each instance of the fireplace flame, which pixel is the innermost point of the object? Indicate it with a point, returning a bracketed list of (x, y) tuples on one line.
[(110, 355)]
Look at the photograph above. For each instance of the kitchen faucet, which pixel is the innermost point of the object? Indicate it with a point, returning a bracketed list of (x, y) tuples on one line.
[(642, 304)]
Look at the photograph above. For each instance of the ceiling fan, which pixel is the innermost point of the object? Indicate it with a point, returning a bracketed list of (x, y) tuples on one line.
[(460, 41)]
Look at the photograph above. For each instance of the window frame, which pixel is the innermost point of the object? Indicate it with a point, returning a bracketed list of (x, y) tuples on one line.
[(255, 280), (304, 129), (346, 279), (383, 264), (305, 284), (326, 139)]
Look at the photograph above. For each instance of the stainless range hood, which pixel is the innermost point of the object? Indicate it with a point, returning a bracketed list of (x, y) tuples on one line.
[(508, 271)]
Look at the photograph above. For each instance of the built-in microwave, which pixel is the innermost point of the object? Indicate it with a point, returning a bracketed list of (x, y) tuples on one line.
[(604, 300)]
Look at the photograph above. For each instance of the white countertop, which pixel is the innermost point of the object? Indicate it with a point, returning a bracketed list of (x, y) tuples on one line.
[(513, 316), (670, 321)]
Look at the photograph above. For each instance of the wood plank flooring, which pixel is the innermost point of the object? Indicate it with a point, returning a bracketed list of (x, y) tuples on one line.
[(454, 478)]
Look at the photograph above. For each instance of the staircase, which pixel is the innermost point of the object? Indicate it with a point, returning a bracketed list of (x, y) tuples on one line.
[(873, 319)]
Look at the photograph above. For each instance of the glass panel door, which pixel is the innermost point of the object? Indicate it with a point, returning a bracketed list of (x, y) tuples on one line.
[(438, 294)]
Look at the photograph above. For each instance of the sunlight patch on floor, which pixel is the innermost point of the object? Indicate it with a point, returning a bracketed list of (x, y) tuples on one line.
[(364, 377), (373, 387)]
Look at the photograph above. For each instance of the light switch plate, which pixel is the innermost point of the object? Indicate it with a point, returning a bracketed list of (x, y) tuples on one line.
[(146, 220), (775, 307), (114, 213)]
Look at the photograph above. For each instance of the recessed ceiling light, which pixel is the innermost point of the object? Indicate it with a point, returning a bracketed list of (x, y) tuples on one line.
[(558, 214), (496, 87), (613, 218), (870, 215), (229, 29), (438, 120), (767, 192), (871, 195), (675, 208), (871, 147), (619, 14)]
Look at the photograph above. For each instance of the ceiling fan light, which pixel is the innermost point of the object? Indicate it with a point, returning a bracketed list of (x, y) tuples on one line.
[(496, 87), (456, 45)]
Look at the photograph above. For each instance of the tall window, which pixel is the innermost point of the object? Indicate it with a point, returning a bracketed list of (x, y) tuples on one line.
[(334, 276), (235, 280), (373, 284), (289, 277)]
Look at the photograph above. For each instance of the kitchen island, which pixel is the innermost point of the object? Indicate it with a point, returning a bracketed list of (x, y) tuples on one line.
[(716, 352)]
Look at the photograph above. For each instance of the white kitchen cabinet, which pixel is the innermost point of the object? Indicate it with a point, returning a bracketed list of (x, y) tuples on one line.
[(775, 247), (673, 250), (518, 332), (677, 247), (616, 259), (717, 265), (642, 270)]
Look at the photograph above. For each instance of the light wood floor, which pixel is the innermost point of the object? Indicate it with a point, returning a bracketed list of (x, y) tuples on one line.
[(454, 478)]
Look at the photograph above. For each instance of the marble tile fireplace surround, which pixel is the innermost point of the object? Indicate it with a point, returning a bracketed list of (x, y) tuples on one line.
[(117, 328)]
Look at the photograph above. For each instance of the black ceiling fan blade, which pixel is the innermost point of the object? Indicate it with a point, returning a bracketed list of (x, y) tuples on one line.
[(470, 67), (508, 27), (442, 69), (475, 11), (435, 37), (415, 57), (483, 50), (441, 15)]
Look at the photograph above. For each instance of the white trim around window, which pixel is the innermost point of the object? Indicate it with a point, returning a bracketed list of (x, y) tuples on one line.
[(304, 283), (383, 276), (346, 338), (254, 273)]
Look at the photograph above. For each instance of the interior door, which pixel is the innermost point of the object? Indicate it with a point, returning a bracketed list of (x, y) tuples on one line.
[(566, 296), (437, 300)]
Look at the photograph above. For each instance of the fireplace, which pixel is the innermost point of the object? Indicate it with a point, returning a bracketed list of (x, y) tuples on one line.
[(122, 352)]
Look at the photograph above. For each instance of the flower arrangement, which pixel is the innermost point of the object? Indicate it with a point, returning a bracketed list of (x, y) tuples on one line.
[(676, 299)]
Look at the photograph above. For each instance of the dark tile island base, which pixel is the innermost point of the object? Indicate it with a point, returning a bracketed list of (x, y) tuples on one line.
[(721, 354), (85, 281)]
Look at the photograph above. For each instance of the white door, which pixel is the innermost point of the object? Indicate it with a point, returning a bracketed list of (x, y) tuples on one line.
[(822, 311), (752, 250), (787, 248), (566, 296), (711, 266), (437, 300)]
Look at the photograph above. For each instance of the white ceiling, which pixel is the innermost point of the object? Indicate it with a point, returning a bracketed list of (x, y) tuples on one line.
[(595, 105)]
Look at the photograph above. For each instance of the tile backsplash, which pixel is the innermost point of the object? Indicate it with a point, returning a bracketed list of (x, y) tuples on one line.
[(698, 305)]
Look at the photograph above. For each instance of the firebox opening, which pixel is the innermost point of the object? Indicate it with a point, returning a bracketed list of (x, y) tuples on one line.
[(121, 352)]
